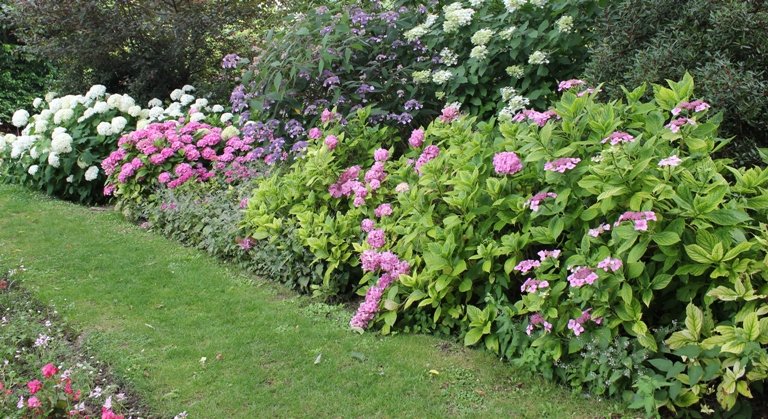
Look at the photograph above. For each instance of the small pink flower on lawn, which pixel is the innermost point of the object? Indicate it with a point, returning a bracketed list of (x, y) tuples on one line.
[(383, 210), (34, 403), (49, 370), (34, 386), (315, 133), (331, 142)]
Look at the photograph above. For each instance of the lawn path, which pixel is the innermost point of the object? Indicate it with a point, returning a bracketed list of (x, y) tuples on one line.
[(153, 309)]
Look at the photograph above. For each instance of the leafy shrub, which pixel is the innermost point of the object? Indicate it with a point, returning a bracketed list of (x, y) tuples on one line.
[(590, 232), (723, 44), (406, 59), (209, 216), (59, 149)]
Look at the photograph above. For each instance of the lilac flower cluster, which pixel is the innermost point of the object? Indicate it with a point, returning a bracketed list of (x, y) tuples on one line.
[(640, 219), (534, 202), (696, 106), (610, 264), (450, 113), (527, 265), (537, 319), (569, 84), (392, 267), (595, 232), (507, 163), (562, 165), (430, 153), (580, 276), (532, 285), (539, 118), (416, 139), (577, 325), (678, 123), (618, 137)]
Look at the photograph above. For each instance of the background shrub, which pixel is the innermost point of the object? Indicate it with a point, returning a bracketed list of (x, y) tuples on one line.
[(722, 43)]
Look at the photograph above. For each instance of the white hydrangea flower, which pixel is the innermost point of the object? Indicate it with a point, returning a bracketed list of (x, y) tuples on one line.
[(104, 128), (126, 102), (479, 52), (456, 16), (53, 159), (92, 173), (96, 91), (70, 178), (34, 153), (423, 76), (516, 71), (415, 33), (196, 117), (37, 102), (513, 5), (41, 125), (564, 24), (155, 103), (156, 112), (61, 143), (537, 58), (174, 110), (176, 94), (33, 169), (114, 100), (229, 132), (442, 76), (50, 96), (201, 103), (226, 117), (89, 112), (517, 102), (187, 88), (482, 37), (186, 99), (538, 3), (448, 57), (134, 111), (476, 3), (506, 34), (55, 104), (81, 164), (118, 124), (143, 123), (101, 107), (217, 109), (63, 115), (20, 118), (69, 101), (22, 144), (45, 114)]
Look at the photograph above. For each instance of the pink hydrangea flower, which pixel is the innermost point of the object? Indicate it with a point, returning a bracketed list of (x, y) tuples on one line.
[(34, 386), (535, 320), (535, 200), (594, 232), (429, 153), (539, 118), (417, 138), (381, 155), (527, 265), (34, 403), (164, 177), (367, 225), (327, 116), (696, 106), (670, 161), (49, 370), (562, 165), (383, 210), (402, 187), (315, 133), (567, 84), (640, 219), (609, 264), (331, 142), (676, 124), (618, 137), (581, 276), (532, 285), (507, 163), (450, 114), (576, 327), (376, 238), (548, 254)]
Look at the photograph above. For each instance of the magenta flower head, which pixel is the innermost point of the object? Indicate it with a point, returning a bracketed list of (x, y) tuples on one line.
[(49, 370), (568, 84), (376, 238), (164, 177), (417, 138), (507, 163), (618, 137), (450, 113), (383, 210), (327, 116), (367, 225), (315, 133), (34, 403), (331, 142), (430, 153), (381, 155), (34, 386)]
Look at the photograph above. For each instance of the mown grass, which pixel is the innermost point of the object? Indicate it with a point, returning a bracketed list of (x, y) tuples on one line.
[(153, 310)]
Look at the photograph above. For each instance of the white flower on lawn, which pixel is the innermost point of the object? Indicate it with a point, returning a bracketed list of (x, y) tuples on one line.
[(100, 107), (114, 100), (226, 117), (156, 112), (63, 115), (134, 111), (96, 91), (187, 88), (37, 102), (201, 103), (186, 99), (34, 153), (61, 142), (197, 117)]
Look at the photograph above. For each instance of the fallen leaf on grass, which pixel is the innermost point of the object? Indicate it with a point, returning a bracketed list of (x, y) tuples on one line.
[(318, 359)]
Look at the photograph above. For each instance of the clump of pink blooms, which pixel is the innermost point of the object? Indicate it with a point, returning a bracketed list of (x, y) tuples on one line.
[(676, 124), (532, 285), (367, 225), (595, 232), (314, 133), (527, 265), (376, 175), (577, 325), (568, 84), (562, 165), (670, 161), (640, 219), (507, 163), (696, 106), (535, 200), (331, 142), (347, 183), (580, 276), (392, 267), (618, 137), (430, 153), (535, 320), (417, 138), (548, 254), (383, 210), (539, 118), (327, 116), (450, 113), (376, 238), (610, 264), (381, 155)]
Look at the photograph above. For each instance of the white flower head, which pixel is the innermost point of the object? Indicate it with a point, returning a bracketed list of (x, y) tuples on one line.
[(423, 76), (537, 58), (70, 178), (201, 103), (134, 111), (104, 128), (37, 102), (114, 100), (442, 76), (118, 124), (226, 117), (63, 115), (155, 103), (126, 102), (96, 91), (456, 16), (33, 169), (50, 96), (482, 37), (101, 107), (186, 99), (92, 173), (564, 24), (55, 104), (187, 88), (53, 159), (479, 52), (196, 117), (156, 112), (20, 118), (143, 123), (217, 109), (176, 94), (34, 153), (61, 143), (515, 71), (448, 57)]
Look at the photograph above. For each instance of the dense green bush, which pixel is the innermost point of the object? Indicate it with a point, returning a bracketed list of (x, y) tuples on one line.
[(408, 58), (599, 243), (724, 44)]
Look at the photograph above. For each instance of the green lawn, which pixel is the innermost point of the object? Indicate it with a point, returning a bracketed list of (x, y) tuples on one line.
[(152, 309)]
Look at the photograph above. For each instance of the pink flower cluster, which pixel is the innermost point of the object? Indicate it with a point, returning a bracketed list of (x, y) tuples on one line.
[(618, 137), (376, 238), (532, 285), (535, 320), (327, 116), (347, 183), (696, 106), (402, 187), (535, 200), (610, 264), (594, 232), (562, 165), (314, 133), (331, 142), (640, 219), (376, 175), (367, 225), (429, 153), (577, 325), (670, 161), (548, 254), (383, 210), (417, 138), (381, 155), (539, 118), (676, 124), (527, 265), (450, 113), (567, 84), (507, 163), (392, 267), (580, 276)]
